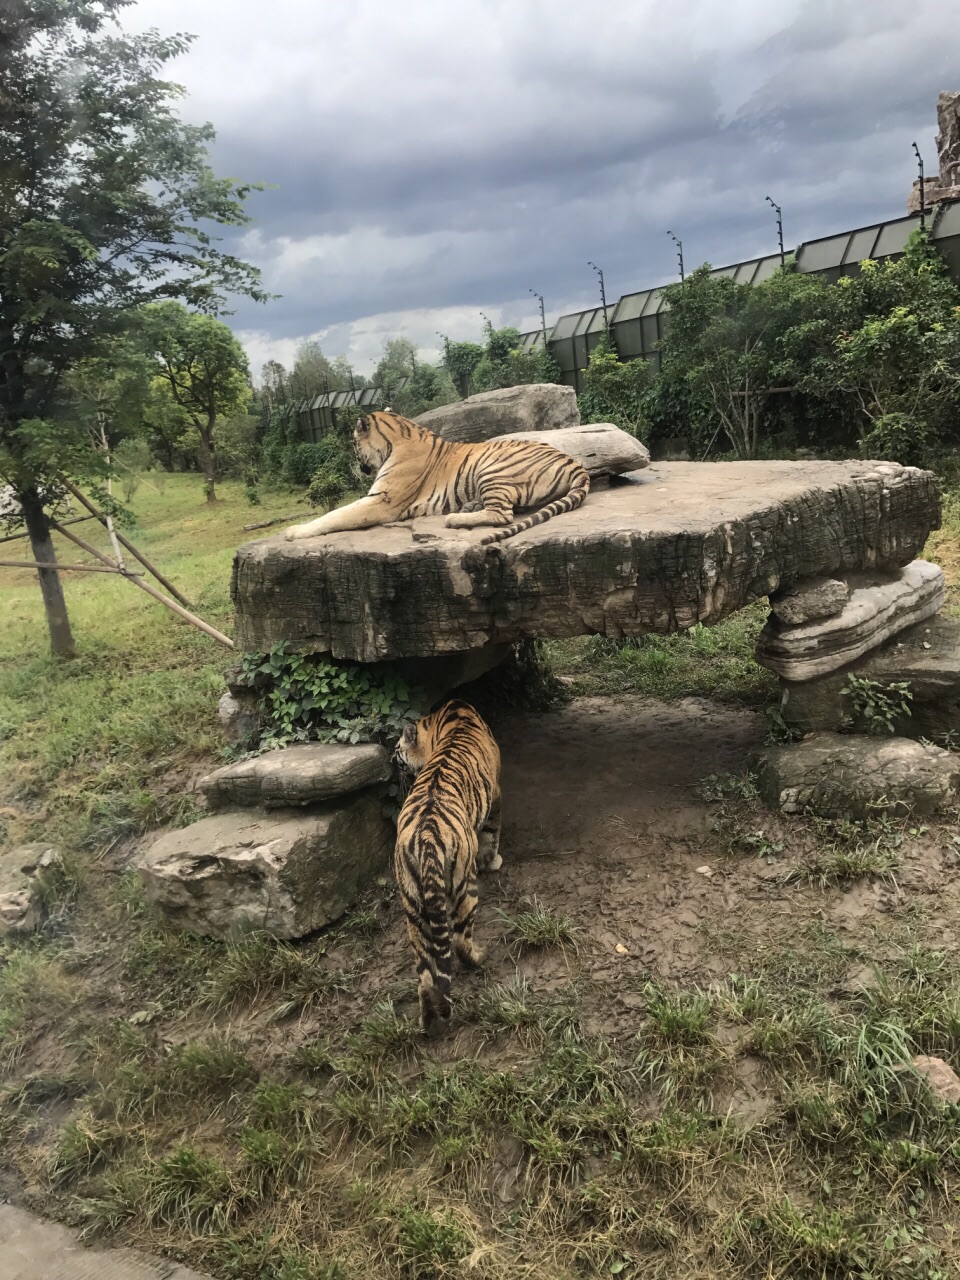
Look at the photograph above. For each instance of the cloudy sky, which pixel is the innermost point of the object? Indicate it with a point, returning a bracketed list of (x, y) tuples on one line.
[(438, 158)]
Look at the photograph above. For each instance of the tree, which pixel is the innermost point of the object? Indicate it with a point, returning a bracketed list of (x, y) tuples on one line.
[(203, 369), (614, 390), (734, 346), (460, 360), (106, 198), (896, 353), (312, 372), (504, 364)]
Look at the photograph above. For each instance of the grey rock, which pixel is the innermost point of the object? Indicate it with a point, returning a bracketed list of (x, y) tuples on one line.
[(939, 1077), (298, 775), (601, 448), (539, 406), (810, 600), (880, 606), (287, 873), (688, 542), (926, 657), (842, 776), (948, 137), (25, 873), (239, 717)]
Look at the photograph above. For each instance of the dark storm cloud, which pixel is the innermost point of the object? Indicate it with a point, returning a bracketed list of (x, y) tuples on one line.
[(435, 159)]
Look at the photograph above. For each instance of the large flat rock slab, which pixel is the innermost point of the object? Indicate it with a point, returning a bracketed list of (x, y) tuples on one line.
[(684, 543)]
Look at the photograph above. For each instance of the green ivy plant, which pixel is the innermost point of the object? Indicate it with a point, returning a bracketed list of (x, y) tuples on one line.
[(879, 706), (311, 698)]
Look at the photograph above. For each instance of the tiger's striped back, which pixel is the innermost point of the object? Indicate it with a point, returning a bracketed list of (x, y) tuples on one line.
[(452, 808), (428, 476)]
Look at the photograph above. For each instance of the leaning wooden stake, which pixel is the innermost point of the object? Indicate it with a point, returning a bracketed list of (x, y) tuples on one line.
[(129, 545), (75, 568), (138, 581)]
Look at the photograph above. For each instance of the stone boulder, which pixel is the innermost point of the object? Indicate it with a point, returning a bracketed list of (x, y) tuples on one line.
[(810, 600), (239, 716), (26, 873), (286, 872), (840, 776), (601, 448), (539, 406), (298, 775), (926, 657), (880, 606)]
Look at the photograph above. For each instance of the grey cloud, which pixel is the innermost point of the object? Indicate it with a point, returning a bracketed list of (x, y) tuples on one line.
[(432, 156)]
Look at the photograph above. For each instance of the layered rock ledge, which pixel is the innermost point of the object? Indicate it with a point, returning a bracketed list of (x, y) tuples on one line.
[(661, 550)]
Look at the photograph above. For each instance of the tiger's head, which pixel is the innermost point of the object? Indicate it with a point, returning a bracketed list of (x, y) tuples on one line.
[(375, 437), (416, 743)]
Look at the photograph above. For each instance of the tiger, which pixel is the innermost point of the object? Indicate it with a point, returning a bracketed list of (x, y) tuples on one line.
[(448, 830), (417, 473)]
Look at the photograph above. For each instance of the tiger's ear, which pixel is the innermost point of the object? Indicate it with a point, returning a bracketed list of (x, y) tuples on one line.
[(363, 426)]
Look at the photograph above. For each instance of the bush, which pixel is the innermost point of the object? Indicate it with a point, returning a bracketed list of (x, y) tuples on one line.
[(310, 698), (897, 437), (614, 390), (335, 475), (301, 461)]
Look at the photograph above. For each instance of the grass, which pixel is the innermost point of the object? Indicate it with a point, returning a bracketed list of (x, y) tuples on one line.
[(268, 1111), (538, 927), (709, 662), (90, 749)]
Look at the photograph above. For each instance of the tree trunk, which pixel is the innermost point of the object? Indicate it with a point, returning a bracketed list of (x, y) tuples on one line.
[(205, 460), (58, 623)]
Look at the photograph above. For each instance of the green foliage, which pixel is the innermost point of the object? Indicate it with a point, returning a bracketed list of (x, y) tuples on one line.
[(309, 698), (334, 476), (460, 359), (732, 347), (105, 190), (615, 391), (202, 368), (878, 706)]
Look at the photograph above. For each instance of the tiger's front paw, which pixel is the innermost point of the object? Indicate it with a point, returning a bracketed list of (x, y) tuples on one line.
[(298, 531)]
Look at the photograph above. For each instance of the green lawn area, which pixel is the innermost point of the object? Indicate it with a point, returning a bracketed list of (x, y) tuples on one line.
[(85, 745)]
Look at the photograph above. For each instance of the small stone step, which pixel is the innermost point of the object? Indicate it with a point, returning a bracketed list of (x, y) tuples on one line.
[(844, 776), (288, 873), (880, 606), (299, 775)]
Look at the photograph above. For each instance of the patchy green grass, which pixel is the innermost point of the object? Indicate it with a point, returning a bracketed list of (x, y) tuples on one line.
[(715, 662), (269, 1111), (90, 749)]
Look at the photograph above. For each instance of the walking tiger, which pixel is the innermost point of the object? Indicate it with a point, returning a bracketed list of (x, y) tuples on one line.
[(448, 829), (419, 474)]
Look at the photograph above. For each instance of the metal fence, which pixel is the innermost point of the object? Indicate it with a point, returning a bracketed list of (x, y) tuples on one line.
[(638, 321)]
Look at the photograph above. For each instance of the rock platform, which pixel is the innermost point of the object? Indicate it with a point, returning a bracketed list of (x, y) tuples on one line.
[(658, 551)]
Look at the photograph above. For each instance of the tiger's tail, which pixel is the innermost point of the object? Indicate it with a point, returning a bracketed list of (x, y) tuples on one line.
[(569, 502), (428, 927)]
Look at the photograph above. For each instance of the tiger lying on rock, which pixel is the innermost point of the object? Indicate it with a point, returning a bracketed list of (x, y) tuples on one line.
[(420, 474), (448, 829)]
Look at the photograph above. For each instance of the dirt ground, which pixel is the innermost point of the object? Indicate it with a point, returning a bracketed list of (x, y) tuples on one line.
[(604, 822)]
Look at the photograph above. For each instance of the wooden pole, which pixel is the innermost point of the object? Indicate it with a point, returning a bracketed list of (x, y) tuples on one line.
[(138, 581), (13, 537), (79, 568), (129, 545)]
